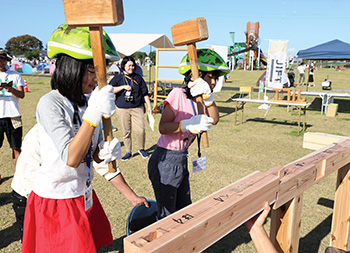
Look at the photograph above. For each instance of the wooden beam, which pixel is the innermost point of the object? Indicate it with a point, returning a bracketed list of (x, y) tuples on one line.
[(196, 227), (305, 172), (317, 141), (246, 89), (285, 225), (340, 232)]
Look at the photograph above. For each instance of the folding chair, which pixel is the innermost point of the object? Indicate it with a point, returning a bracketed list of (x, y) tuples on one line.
[(141, 216)]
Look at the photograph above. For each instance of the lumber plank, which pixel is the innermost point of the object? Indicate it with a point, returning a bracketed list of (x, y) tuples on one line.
[(201, 224), (340, 231), (246, 89), (305, 172), (315, 140), (196, 227), (295, 182), (285, 225)]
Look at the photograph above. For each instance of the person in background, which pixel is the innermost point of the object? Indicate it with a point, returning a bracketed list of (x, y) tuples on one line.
[(22, 183), (301, 69), (131, 95), (11, 90), (179, 126), (311, 79), (63, 212)]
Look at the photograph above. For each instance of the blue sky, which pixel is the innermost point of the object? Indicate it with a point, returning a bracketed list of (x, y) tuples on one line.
[(303, 23)]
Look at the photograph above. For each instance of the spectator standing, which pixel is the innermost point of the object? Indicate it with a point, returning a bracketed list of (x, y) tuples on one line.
[(311, 80), (11, 90), (301, 69), (131, 95)]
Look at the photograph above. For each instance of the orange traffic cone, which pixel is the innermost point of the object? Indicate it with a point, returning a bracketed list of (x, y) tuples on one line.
[(25, 87)]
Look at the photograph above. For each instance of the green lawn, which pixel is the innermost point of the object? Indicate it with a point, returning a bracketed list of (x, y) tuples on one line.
[(235, 151)]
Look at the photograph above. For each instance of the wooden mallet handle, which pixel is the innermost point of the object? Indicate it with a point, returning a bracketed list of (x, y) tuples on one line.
[(95, 14), (188, 33), (98, 53), (192, 55)]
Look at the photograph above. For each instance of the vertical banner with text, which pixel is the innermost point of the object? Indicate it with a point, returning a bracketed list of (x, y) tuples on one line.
[(276, 64)]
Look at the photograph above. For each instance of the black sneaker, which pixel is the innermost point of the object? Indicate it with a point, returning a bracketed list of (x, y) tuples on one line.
[(127, 156), (143, 153)]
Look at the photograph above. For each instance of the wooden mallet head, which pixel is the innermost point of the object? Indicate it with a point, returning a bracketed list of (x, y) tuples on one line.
[(95, 14), (188, 33)]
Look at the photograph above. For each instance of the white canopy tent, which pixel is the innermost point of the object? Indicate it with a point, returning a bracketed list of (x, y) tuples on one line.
[(128, 43)]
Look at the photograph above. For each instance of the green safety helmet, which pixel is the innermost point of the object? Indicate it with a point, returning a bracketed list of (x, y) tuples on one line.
[(75, 42), (208, 60)]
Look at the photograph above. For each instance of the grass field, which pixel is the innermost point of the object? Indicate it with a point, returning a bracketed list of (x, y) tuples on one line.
[(235, 151)]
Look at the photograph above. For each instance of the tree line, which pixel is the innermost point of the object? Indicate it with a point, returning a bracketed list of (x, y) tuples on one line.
[(26, 45), (30, 47)]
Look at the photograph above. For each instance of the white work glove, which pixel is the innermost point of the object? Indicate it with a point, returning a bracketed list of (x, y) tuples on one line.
[(201, 88), (100, 103), (196, 124), (102, 169), (110, 151)]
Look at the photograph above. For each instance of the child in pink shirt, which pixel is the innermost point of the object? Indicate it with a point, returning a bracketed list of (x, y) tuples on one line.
[(179, 126)]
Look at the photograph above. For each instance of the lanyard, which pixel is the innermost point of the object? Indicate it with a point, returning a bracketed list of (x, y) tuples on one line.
[(131, 79), (127, 82), (88, 154), (198, 135)]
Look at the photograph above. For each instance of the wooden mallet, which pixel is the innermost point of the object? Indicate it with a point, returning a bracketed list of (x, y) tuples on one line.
[(188, 33), (95, 14)]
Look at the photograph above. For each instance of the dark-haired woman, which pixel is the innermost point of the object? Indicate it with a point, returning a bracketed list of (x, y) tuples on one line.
[(131, 94)]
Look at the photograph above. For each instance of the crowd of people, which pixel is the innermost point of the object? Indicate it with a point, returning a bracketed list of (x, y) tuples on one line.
[(52, 183)]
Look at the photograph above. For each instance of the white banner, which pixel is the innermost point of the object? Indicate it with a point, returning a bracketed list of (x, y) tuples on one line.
[(276, 64)]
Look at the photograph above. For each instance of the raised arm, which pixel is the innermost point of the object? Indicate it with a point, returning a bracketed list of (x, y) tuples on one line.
[(257, 232)]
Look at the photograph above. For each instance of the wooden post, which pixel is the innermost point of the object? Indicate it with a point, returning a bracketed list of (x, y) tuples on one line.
[(340, 232), (236, 113), (155, 86), (242, 115), (285, 225), (299, 109)]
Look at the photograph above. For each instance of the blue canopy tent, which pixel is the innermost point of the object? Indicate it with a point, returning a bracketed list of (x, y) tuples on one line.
[(332, 50)]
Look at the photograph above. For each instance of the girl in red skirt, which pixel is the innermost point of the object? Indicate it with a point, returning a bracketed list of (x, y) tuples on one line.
[(63, 213)]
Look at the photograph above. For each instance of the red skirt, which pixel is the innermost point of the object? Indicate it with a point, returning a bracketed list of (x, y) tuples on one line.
[(63, 225)]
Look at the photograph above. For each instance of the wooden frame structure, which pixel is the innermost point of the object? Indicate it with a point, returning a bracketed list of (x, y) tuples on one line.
[(196, 227), (158, 80)]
